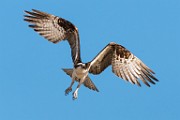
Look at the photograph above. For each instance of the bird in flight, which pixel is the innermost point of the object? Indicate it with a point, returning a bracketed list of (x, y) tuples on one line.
[(124, 64)]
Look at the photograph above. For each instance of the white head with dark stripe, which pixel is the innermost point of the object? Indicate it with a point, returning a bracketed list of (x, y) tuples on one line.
[(80, 66)]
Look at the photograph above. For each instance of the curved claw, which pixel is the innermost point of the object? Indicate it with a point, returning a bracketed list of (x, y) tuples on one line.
[(68, 90)]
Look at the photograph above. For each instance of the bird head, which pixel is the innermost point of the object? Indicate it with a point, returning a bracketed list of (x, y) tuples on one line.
[(80, 65)]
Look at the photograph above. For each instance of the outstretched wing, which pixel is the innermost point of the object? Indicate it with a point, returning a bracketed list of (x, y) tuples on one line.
[(87, 83), (55, 29), (124, 65)]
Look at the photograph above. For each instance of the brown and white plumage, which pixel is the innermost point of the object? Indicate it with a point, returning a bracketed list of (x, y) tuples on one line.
[(55, 29), (88, 82), (124, 63)]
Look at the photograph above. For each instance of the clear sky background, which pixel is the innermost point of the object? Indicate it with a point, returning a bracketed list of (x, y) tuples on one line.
[(32, 83)]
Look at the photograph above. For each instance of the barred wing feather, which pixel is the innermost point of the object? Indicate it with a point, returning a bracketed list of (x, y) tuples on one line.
[(55, 29), (124, 65)]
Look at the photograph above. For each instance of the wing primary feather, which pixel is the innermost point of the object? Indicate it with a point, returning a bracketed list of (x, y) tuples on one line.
[(133, 70), (55, 29), (147, 77), (153, 77), (122, 74), (133, 77), (148, 71), (143, 79), (127, 75), (138, 83), (35, 14), (134, 74), (146, 67)]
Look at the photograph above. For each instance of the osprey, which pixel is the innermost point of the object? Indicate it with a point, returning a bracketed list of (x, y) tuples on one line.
[(124, 64)]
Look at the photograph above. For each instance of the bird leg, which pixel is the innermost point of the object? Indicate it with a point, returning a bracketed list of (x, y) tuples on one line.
[(69, 89), (75, 93)]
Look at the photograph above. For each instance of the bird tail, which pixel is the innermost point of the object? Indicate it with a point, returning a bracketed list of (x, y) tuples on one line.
[(87, 83)]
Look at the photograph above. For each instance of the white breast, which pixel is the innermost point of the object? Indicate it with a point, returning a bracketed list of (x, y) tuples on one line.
[(80, 73)]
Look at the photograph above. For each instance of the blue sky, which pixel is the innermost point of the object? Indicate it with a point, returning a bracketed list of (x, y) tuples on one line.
[(32, 83)]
